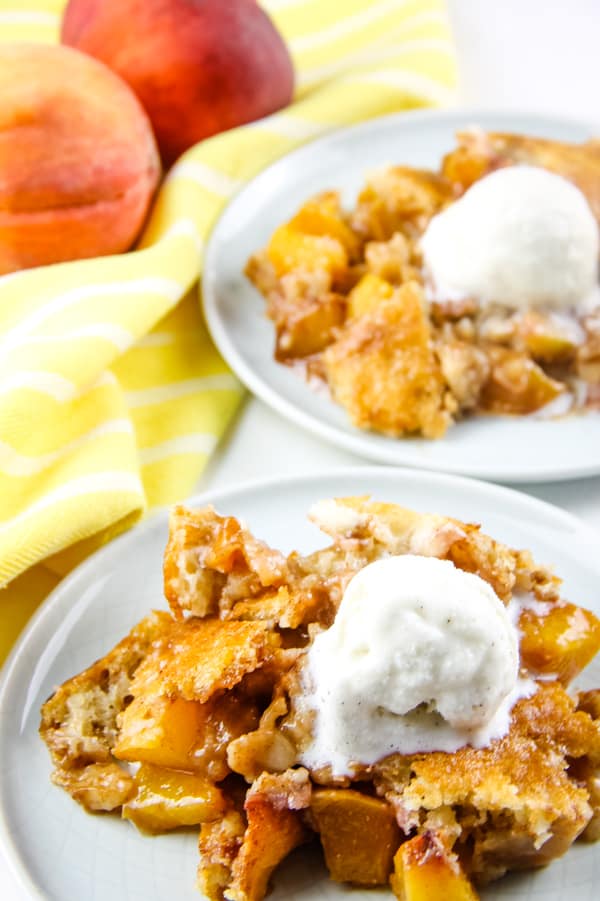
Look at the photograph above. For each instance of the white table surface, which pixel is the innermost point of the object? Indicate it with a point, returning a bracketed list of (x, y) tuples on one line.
[(262, 445), (540, 56)]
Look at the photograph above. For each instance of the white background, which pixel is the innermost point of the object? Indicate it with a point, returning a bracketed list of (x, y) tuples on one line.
[(535, 55)]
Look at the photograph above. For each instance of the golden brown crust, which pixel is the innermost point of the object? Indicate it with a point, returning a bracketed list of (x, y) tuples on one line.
[(211, 562), (399, 199), (219, 844), (514, 801), (382, 369), (79, 721), (201, 657), (274, 828), (97, 786)]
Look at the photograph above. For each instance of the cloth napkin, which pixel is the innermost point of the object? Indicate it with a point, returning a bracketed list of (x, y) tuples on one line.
[(112, 396)]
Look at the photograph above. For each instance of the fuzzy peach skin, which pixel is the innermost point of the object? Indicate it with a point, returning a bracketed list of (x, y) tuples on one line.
[(198, 66), (78, 160)]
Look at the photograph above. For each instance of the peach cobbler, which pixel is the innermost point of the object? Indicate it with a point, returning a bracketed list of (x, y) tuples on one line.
[(400, 696), (473, 289)]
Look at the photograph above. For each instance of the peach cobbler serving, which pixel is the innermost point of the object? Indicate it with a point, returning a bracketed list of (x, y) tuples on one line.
[(400, 696), (469, 290)]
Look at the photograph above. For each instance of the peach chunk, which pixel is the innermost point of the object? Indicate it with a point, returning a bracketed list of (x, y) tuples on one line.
[(425, 870), (291, 249), (562, 642), (322, 215), (545, 340), (184, 735), (308, 325), (359, 835), (367, 294), (166, 799), (517, 384), (160, 730), (78, 159), (198, 67)]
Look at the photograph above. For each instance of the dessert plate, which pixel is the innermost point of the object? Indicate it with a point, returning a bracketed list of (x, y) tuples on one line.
[(58, 851), (512, 449)]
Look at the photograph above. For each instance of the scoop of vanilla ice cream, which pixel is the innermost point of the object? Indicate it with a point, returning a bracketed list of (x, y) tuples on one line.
[(520, 237), (421, 656)]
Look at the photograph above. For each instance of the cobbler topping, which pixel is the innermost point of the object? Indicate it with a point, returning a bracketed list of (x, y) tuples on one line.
[(198, 717)]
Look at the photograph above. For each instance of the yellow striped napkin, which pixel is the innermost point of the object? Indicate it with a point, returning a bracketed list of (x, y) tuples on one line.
[(112, 396)]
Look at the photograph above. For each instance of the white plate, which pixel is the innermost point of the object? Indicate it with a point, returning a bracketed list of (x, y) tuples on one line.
[(504, 448), (59, 851)]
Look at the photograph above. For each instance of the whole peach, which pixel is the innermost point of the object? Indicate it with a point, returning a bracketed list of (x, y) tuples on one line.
[(198, 66), (78, 160)]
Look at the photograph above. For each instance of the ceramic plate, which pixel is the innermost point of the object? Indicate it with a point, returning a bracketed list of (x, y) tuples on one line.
[(60, 852), (501, 448)]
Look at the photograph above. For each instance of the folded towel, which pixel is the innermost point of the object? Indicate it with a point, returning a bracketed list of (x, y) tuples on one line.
[(112, 396)]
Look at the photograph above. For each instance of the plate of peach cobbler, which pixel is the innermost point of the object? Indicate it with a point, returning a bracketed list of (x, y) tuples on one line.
[(423, 289), (368, 683)]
